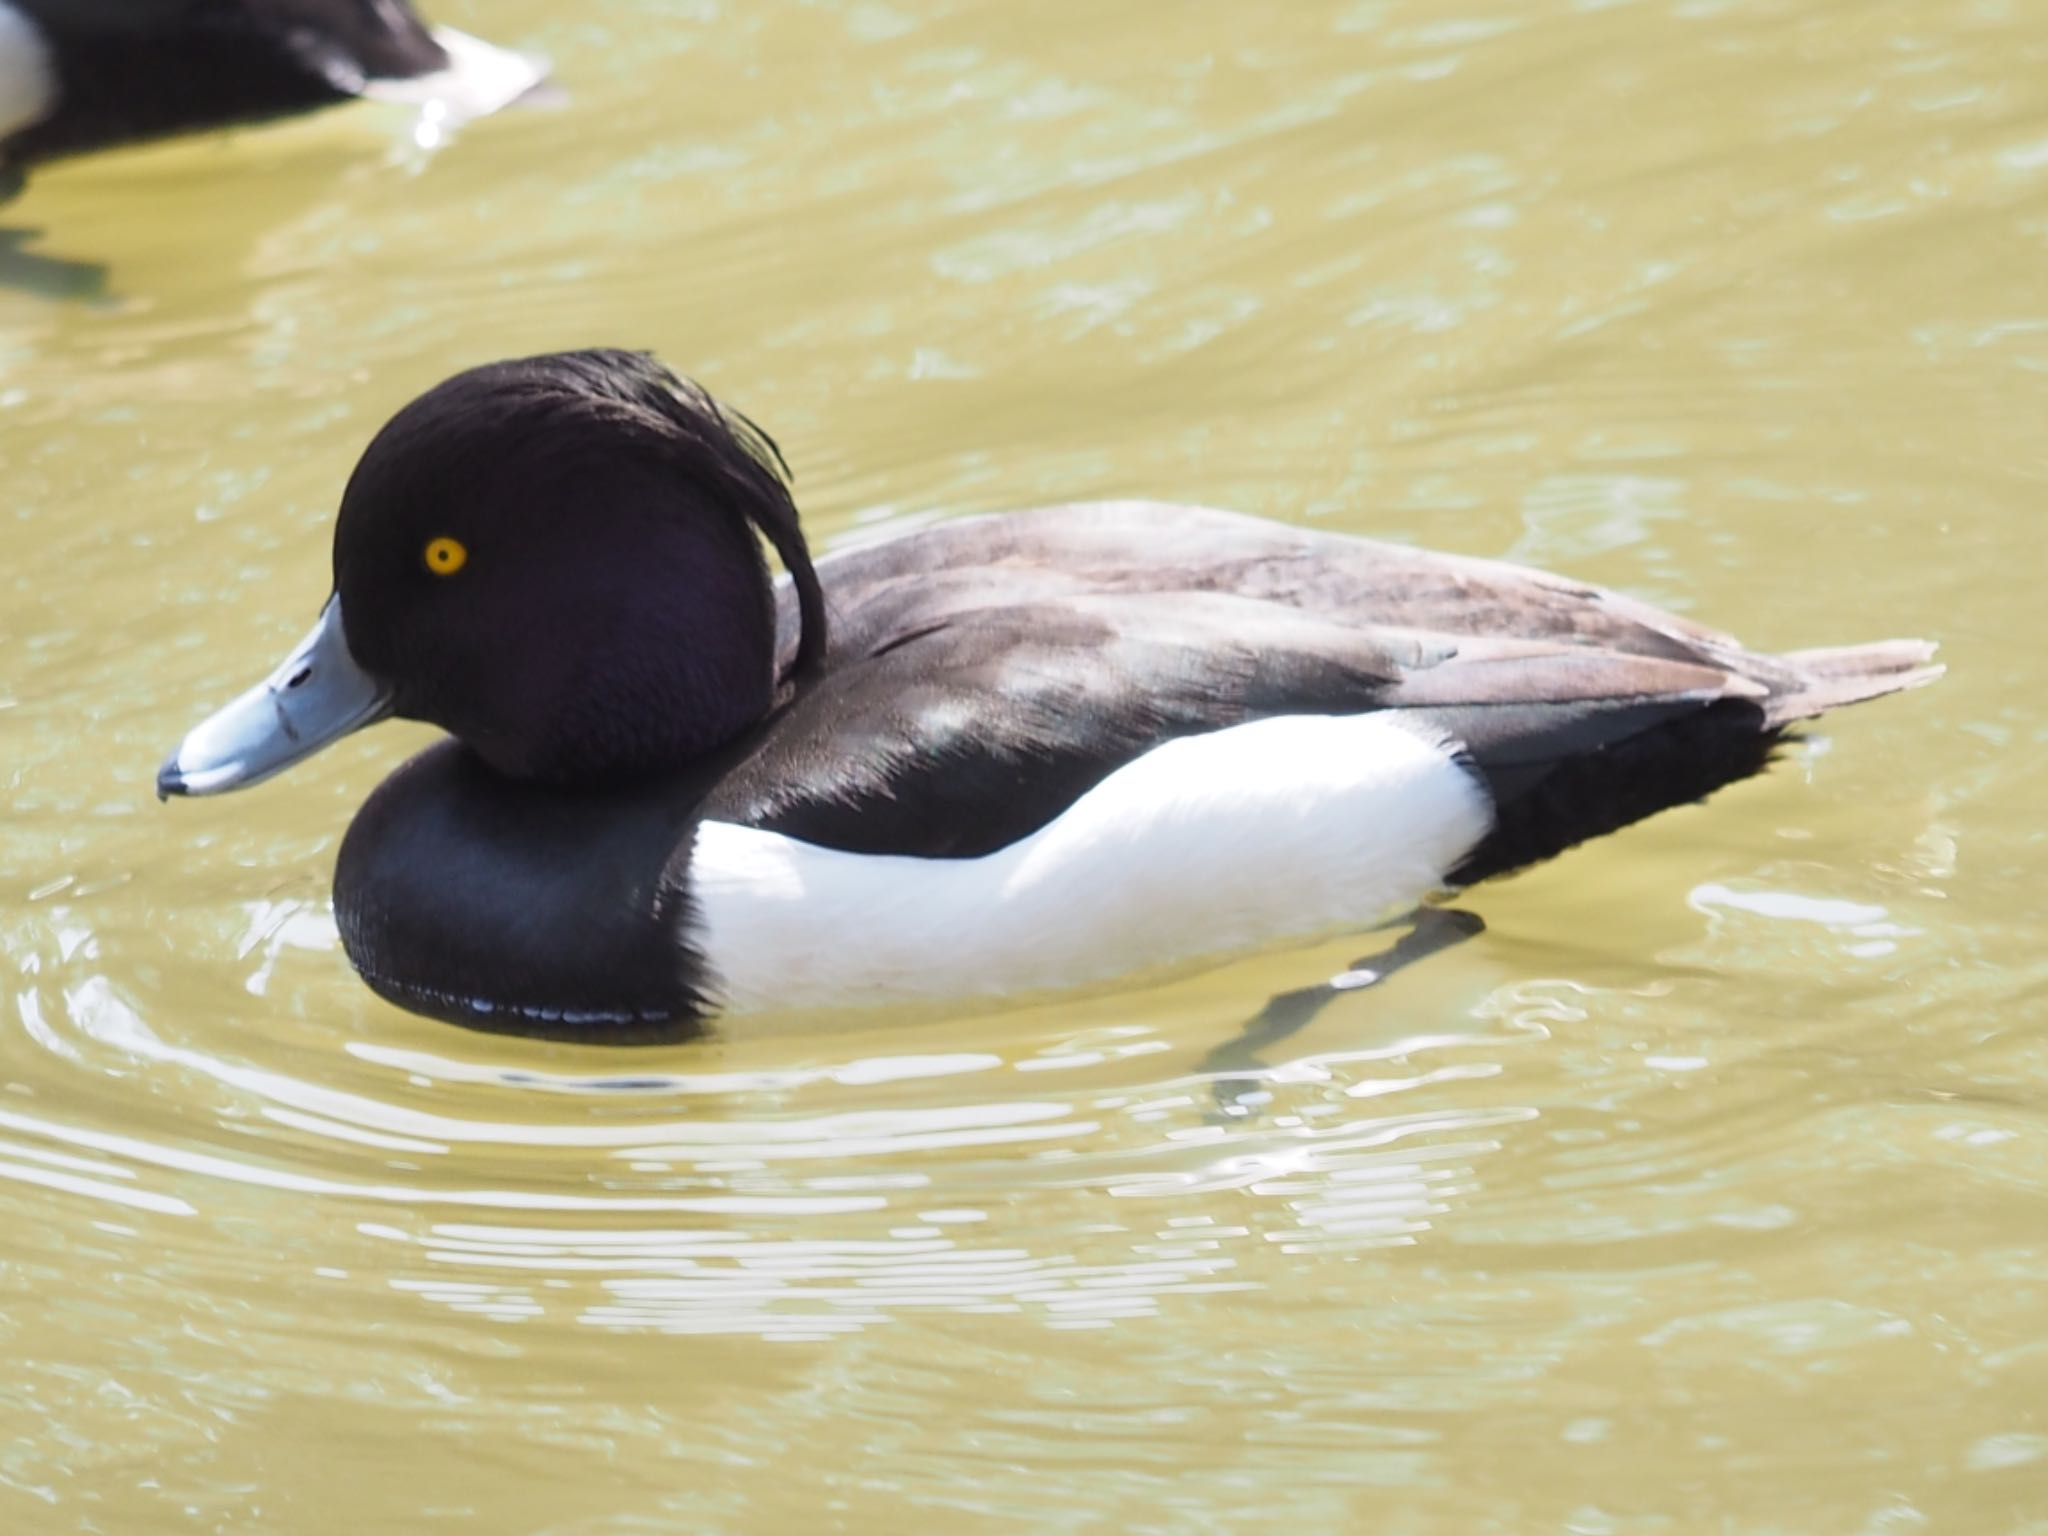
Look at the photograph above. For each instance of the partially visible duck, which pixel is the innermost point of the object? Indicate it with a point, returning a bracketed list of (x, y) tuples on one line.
[(997, 755), (79, 75)]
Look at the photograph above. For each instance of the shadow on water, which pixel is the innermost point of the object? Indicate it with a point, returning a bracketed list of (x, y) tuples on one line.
[(803, 1194), (1239, 1062), (49, 277), (1237, 1066)]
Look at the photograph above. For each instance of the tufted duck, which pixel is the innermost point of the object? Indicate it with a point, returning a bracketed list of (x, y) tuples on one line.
[(998, 755), (79, 75)]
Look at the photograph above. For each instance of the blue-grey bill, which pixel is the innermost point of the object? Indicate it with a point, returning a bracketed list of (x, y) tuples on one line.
[(317, 696)]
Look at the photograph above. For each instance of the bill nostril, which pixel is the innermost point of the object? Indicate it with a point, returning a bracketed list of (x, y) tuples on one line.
[(299, 677)]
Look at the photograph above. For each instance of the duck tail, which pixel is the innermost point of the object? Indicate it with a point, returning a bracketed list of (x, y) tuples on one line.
[(1832, 676)]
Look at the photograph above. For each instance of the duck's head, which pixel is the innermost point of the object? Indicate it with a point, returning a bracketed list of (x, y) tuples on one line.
[(555, 559)]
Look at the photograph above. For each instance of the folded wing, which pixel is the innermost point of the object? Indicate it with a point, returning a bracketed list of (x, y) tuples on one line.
[(985, 674)]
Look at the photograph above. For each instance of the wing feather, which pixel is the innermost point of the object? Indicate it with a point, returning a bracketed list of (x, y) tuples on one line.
[(987, 672)]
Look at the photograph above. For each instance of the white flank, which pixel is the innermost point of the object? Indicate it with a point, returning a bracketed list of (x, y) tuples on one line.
[(1290, 827), (480, 79), (28, 77)]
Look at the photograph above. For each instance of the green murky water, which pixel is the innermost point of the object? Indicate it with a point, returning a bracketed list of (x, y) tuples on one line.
[(1707, 1191)]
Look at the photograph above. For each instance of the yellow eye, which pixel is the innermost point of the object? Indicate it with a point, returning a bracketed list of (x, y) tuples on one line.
[(446, 556)]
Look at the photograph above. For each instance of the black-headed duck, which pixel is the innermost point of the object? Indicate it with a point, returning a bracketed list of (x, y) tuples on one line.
[(998, 755), (78, 75)]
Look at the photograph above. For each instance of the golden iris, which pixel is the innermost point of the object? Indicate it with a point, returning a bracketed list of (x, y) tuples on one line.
[(446, 556)]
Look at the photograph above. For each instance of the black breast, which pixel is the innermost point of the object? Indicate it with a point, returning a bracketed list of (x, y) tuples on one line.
[(520, 909)]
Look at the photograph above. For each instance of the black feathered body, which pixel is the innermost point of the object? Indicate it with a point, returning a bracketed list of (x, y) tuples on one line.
[(982, 676), (132, 70), (984, 673)]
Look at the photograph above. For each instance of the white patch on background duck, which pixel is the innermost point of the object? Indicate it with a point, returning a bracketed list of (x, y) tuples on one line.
[(1290, 827), (28, 77), (480, 79)]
